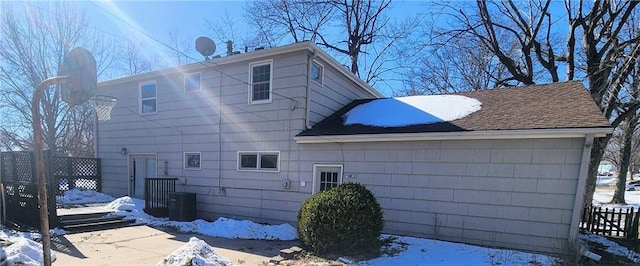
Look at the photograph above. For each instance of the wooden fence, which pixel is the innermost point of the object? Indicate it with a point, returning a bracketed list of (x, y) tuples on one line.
[(613, 222), (156, 195), (74, 172), (20, 184)]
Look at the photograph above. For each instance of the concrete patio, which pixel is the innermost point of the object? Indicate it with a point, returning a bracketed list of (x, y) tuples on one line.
[(144, 245)]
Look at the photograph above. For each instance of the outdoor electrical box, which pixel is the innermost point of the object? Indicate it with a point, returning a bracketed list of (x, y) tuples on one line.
[(182, 206)]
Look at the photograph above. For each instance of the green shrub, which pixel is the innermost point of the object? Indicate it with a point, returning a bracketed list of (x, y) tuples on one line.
[(345, 220)]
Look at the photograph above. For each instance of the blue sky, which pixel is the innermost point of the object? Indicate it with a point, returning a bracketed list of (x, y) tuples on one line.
[(134, 19), (158, 18)]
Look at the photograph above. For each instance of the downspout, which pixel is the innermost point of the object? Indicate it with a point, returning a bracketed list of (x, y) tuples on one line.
[(308, 101), (95, 138), (580, 188)]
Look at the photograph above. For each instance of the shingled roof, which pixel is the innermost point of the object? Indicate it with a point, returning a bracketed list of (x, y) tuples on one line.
[(562, 105)]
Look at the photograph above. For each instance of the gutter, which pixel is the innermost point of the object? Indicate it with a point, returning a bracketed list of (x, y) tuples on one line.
[(462, 135)]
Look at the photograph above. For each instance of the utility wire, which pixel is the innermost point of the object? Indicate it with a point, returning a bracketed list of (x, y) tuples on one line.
[(216, 66)]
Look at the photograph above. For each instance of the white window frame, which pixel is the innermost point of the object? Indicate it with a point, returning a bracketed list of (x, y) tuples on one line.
[(186, 76), (258, 158), (140, 99), (257, 64), (316, 177), (321, 77), (186, 163)]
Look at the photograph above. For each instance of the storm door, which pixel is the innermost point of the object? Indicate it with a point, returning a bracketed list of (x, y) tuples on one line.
[(140, 167)]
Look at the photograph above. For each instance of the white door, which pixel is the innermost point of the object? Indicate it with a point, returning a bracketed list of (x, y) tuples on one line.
[(141, 167), (326, 177)]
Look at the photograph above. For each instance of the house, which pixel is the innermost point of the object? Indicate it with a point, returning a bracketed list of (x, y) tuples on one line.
[(255, 134)]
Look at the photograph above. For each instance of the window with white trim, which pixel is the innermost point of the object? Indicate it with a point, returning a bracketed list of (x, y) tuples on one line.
[(192, 82), (192, 160), (260, 87), (148, 95), (326, 177), (317, 72), (258, 161)]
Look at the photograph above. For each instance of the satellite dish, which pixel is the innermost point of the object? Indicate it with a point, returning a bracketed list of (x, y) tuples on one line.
[(80, 66), (205, 46)]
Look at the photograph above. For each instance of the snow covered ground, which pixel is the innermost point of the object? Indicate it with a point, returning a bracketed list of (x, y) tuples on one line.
[(403, 250), (20, 249), (604, 193), (83, 196), (132, 208), (195, 252)]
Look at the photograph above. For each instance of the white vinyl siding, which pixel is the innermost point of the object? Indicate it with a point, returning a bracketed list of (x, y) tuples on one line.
[(329, 95), (192, 82), (515, 193)]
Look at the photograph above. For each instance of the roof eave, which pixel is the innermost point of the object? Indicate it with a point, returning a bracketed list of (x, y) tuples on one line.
[(461, 135), (216, 62)]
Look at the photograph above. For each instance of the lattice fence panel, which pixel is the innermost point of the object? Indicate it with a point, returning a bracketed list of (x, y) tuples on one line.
[(71, 172), (58, 165), (23, 167), (84, 167), (7, 165)]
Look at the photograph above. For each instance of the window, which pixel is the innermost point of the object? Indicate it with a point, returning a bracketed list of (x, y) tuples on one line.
[(317, 73), (148, 98), (258, 161), (192, 82), (326, 177), (192, 160), (260, 87)]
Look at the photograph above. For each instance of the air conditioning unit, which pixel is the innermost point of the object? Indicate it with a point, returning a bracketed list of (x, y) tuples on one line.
[(182, 206)]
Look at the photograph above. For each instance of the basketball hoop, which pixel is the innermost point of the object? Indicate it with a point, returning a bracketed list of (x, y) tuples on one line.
[(103, 104)]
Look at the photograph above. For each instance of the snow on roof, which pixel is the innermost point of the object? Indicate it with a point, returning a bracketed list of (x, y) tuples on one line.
[(195, 252), (412, 110)]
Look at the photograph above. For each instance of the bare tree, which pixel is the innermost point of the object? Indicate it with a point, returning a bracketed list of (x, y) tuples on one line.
[(132, 60), (180, 47), (357, 30), (460, 64), (33, 42), (521, 36), (627, 129), (275, 21)]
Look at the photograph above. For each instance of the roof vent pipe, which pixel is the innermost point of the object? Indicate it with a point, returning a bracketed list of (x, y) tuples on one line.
[(229, 48)]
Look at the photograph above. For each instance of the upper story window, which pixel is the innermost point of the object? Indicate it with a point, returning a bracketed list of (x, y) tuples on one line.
[(192, 82), (260, 87), (317, 72), (148, 95), (258, 161)]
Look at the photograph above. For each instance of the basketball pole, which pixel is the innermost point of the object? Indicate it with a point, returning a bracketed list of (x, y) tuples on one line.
[(38, 147)]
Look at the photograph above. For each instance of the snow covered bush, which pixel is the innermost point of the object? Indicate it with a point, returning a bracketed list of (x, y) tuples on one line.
[(346, 219)]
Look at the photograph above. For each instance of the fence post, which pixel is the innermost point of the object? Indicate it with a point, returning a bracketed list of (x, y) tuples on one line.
[(51, 193), (633, 230), (98, 174)]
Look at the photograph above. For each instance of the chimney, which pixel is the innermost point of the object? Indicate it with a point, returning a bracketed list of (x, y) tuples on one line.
[(229, 48)]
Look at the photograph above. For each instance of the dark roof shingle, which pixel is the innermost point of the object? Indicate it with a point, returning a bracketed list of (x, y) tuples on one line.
[(559, 105)]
